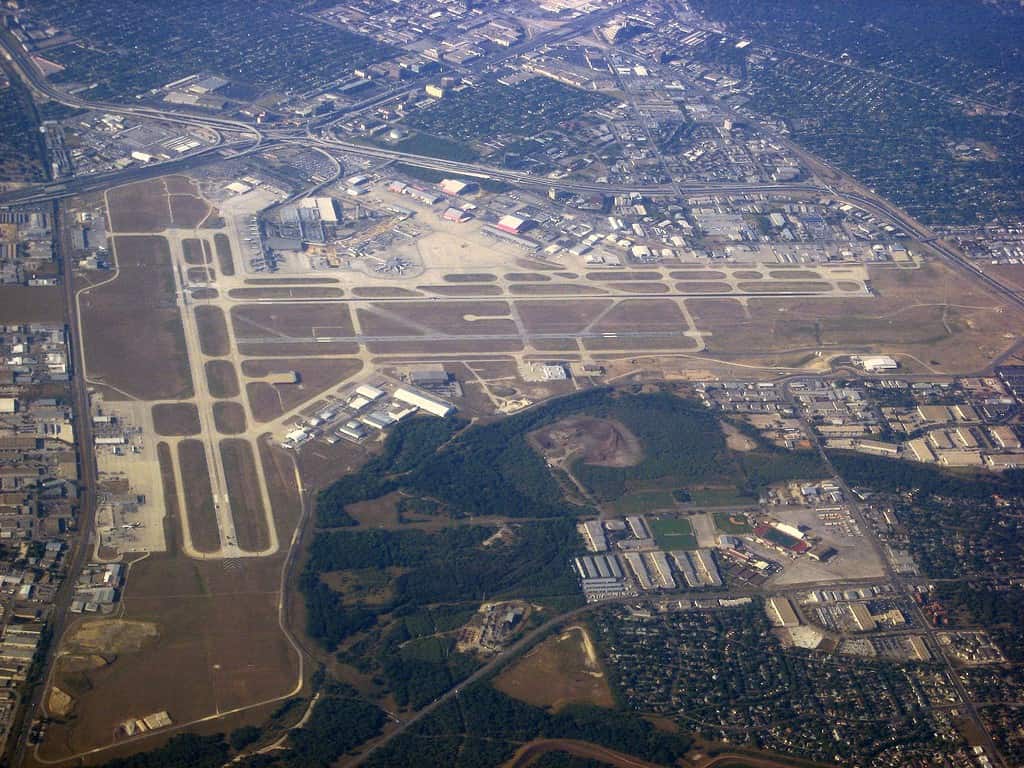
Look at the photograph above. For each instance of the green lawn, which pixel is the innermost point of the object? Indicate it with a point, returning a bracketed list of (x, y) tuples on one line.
[(719, 497), (672, 533), (734, 524), (644, 501)]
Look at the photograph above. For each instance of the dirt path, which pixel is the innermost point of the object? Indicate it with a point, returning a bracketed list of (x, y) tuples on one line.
[(530, 753)]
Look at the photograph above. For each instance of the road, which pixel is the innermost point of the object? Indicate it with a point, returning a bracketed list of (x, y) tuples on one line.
[(902, 583), (254, 139), (82, 545)]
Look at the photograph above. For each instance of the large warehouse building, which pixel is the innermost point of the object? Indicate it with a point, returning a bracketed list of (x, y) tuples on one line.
[(424, 402)]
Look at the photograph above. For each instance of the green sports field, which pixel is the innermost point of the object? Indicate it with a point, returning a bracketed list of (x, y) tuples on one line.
[(733, 523), (671, 533)]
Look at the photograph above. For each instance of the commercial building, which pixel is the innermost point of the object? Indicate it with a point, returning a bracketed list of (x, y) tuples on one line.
[(8, 405)]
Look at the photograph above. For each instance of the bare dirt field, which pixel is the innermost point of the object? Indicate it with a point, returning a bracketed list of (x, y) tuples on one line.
[(586, 752), (527, 277), (697, 273), (229, 418), (570, 316), (269, 349), (188, 211), (192, 249), (138, 304), (703, 287), (1009, 274), (180, 185), (289, 280), (172, 510), (931, 318), (205, 294), (454, 317), (224, 256), (640, 287), (554, 289), (315, 375), (601, 442), (628, 343), (222, 378), (176, 419), (382, 292), (643, 315), (381, 322), (793, 274), (213, 331), (290, 320), (560, 671), (285, 292), (264, 401), (244, 494), (623, 274), (470, 277), (217, 646), (139, 207), (199, 275), (25, 304), (782, 286), (454, 347), (202, 519), (462, 290)]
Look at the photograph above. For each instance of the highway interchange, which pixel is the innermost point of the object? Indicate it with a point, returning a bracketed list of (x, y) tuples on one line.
[(238, 138)]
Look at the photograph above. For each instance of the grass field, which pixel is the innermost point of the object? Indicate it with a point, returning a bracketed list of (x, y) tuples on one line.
[(224, 256), (176, 419), (195, 475), (644, 501), (139, 304), (213, 331), (229, 418), (719, 497), (671, 533), (222, 379), (244, 494), (732, 523)]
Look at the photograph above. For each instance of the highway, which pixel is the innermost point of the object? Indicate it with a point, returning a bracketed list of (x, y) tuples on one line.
[(81, 550), (256, 139)]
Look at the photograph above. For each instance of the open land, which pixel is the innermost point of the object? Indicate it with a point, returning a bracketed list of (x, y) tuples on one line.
[(137, 303), (562, 670)]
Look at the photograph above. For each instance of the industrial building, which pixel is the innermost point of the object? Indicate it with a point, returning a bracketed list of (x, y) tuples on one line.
[(862, 617), (601, 577), (593, 534), (639, 568), (781, 613), (877, 363), (660, 569), (513, 225), (455, 187), (638, 527), (423, 401)]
